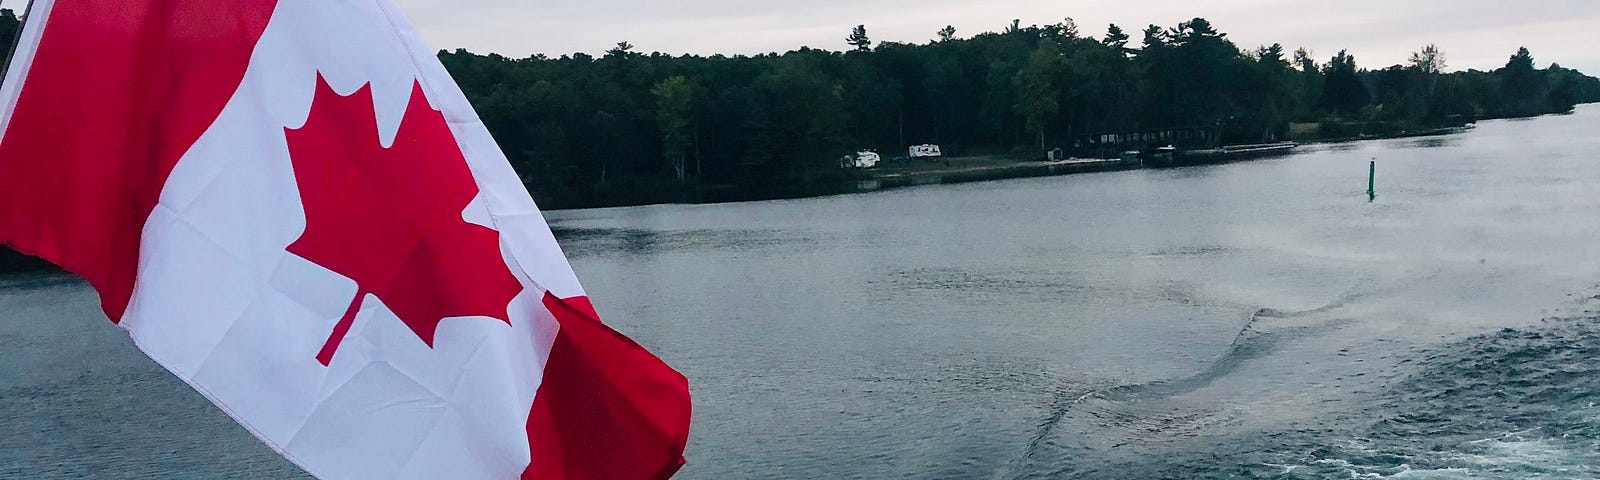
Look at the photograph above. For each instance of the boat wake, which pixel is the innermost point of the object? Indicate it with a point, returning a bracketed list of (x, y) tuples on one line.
[(1140, 408), (1516, 403)]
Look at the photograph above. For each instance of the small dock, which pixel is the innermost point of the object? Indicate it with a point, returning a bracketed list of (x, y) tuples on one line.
[(989, 170), (1244, 151), (1232, 153), (978, 169)]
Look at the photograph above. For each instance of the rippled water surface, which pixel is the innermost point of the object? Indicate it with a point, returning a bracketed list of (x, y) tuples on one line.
[(1251, 320)]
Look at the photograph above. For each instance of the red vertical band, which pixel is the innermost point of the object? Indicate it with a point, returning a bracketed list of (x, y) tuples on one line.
[(607, 408), (117, 92)]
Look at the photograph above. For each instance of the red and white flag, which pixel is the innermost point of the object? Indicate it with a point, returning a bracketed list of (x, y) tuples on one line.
[(291, 206)]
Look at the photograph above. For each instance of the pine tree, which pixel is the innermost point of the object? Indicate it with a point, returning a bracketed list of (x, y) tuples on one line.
[(858, 39), (1343, 90), (1116, 38)]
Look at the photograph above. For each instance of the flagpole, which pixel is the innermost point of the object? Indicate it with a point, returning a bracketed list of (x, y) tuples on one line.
[(16, 39)]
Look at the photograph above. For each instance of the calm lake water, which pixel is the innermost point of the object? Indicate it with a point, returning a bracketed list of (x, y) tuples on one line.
[(1249, 320)]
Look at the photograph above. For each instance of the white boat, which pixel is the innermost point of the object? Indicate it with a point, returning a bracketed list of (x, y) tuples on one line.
[(1164, 155), (862, 159)]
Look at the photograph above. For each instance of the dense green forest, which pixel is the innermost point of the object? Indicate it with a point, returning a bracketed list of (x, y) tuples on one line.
[(629, 127)]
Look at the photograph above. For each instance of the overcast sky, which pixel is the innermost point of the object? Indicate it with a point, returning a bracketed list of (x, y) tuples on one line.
[(1473, 33)]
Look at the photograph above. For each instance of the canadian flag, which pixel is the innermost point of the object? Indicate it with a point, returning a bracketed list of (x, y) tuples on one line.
[(291, 206)]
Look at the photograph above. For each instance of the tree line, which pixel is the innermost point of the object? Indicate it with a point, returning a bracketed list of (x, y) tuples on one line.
[(628, 127)]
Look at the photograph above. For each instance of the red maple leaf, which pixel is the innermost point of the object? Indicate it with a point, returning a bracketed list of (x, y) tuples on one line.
[(391, 218)]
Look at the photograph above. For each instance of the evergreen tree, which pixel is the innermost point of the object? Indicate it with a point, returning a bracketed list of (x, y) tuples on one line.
[(1521, 62), (1343, 90), (1067, 29), (858, 39), (1154, 37), (1116, 38), (1522, 87), (1309, 94)]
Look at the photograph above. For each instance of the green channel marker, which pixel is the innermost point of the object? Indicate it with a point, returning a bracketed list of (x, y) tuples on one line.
[(1372, 180)]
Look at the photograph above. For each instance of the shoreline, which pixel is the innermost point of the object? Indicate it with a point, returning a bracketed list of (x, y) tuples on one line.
[(991, 168), (999, 168)]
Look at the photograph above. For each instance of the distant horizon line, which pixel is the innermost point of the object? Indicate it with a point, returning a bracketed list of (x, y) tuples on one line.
[(554, 56)]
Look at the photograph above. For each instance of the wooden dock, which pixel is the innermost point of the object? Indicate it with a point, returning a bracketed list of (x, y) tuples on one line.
[(989, 168), (962, 174)]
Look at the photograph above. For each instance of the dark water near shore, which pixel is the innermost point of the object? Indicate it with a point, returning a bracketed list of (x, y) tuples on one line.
[(1250, 320)]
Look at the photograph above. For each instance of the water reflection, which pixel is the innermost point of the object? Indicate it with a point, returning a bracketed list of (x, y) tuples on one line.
[(586, 241), (1433, 142)]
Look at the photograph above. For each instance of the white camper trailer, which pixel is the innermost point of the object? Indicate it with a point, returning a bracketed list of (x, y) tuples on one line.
[(925, 152)]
